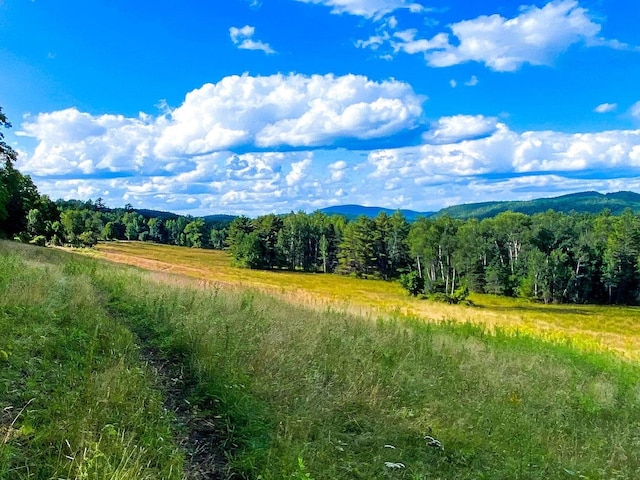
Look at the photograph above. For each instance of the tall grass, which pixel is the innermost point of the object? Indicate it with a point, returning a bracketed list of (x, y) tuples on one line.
[(586, 326), (325, 395), (75, 401), (310, 394)]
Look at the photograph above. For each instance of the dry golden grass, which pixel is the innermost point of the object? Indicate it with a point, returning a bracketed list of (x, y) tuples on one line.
[(587, 327)]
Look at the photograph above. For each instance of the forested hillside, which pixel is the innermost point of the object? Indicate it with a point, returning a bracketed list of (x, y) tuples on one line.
[(583, 202)]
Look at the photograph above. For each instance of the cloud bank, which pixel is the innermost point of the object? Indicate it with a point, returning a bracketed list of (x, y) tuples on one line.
[(194, 158), (536, 37), (238, 113)]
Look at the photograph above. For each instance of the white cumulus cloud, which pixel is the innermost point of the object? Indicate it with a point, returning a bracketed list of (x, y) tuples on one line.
[(338, 170), (606, 108), (457, 128), (510, 153), (298, 172), (239, 112), (70, 141), (506, 164), (242, 37), (288, 110), (367, 8), (536, 36)]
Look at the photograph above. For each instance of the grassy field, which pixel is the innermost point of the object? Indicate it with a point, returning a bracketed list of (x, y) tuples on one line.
[(75, 400), (290, 392), (588, 327)]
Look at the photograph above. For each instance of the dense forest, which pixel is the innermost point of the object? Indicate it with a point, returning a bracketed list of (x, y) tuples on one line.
[(549, 257)]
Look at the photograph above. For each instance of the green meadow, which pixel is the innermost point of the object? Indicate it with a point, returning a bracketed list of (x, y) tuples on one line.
[(594, 328), (105, 369)]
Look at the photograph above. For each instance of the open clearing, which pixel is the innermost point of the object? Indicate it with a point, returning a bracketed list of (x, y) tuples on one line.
[(585, 326)]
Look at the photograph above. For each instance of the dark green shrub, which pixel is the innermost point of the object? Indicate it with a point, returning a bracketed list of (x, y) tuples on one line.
[(412, 282)]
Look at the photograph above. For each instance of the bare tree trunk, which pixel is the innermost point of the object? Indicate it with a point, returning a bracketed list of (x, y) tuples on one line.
[(453, 282)]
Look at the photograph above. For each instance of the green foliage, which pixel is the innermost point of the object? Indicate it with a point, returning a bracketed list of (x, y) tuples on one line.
[(459, 296), (357, 253), (218, 238), (98, 222), (19, 196), (157, 230), (243, 243), (39, 240), (247, 250), (109, 232), (194, 233), (412, 282)]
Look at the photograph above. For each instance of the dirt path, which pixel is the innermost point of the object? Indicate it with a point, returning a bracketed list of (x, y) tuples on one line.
[(200, 437)]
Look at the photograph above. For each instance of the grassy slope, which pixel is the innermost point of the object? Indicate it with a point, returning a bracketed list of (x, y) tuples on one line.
[(75, 402), (590, 327), (303, 393)]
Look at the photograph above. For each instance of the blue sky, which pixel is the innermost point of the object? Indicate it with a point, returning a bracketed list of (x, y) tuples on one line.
[(251, 107)]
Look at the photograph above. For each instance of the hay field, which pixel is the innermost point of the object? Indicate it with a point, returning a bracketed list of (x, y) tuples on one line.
[(593, 328)]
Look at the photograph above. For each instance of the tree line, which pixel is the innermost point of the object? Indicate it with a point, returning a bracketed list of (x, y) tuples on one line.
[(40, 221), (550, 257)]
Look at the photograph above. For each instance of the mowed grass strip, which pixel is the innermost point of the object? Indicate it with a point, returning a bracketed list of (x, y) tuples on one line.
[(585, 326), (321, 394), (75, 402)]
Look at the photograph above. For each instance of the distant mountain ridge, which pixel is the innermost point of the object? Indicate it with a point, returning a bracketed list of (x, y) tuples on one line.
[(354, 211), (583, 202)]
